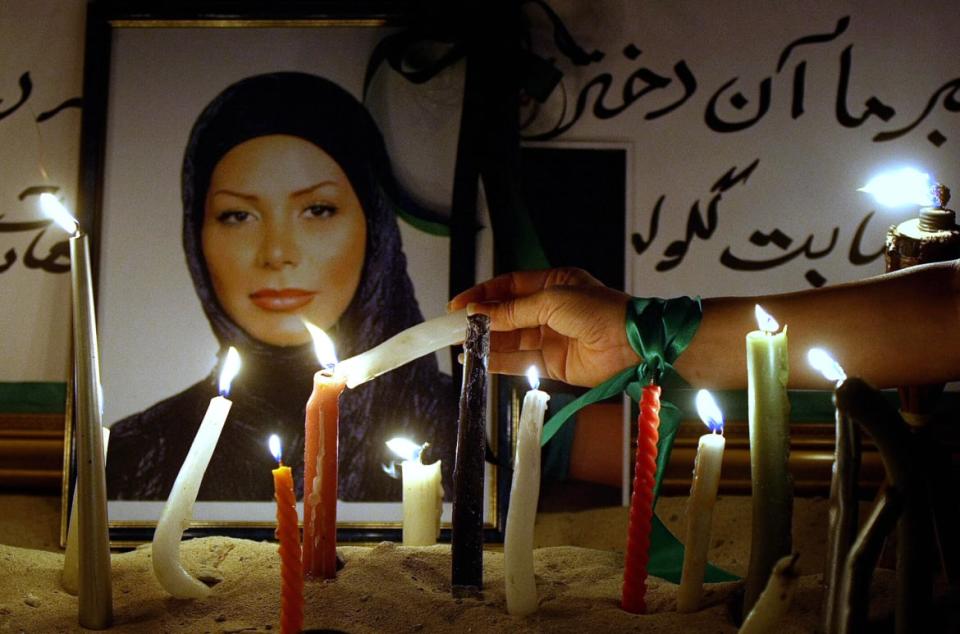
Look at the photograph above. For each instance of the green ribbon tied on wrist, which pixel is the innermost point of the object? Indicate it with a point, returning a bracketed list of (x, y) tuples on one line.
[(658, 330)]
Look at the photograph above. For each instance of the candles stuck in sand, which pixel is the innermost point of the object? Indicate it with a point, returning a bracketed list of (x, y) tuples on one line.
[(321, 439), (769, 422), (703, 496), (422, 493), (521, 588), (288, 534), (179, 507)]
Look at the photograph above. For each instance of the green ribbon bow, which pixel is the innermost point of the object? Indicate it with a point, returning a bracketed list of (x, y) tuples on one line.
[(658, 331)]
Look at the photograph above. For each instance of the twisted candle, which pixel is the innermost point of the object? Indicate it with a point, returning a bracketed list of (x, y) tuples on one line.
[(641, 503), (288, 534)]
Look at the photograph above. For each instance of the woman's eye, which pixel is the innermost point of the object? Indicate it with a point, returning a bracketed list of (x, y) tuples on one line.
[(319, 211), (234, 217)]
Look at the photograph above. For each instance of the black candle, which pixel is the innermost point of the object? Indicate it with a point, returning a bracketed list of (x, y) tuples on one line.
[(467, 536)]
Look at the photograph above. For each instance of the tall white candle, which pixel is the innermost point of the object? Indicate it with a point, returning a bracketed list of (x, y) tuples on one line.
[(703, 496), (178, 510), (769, 422), (412, 343), (95, 600), (422, 494), (521, 587)]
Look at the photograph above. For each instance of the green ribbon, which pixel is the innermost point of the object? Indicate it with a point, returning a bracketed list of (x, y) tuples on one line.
[(658, 331)]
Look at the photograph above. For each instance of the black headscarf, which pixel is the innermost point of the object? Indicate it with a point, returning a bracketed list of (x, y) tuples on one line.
[(415, 400)]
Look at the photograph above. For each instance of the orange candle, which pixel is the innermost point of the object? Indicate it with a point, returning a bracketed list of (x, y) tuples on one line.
[(288, 534), (320, 477), (641, 503)]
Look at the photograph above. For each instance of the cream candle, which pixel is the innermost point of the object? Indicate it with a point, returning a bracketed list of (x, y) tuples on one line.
[(422, 493), (769, 418), (703, 496), (521, 588), (94, 588), (412, 343), (178, 510)]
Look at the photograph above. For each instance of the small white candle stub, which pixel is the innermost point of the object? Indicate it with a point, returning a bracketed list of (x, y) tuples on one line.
[(178, 510), (521, 587), (774, 603), (422, 493), (412, 343), (703, 496)]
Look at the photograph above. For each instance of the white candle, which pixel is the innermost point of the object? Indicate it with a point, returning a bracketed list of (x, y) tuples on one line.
[(769, 610), (95, 601), (178, 510), (422, 494), (404, 347), (703, 495), (69, 579), (521, 587), (769, 422)]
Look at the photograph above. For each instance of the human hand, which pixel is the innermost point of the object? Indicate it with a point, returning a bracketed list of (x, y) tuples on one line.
[(563, 321)]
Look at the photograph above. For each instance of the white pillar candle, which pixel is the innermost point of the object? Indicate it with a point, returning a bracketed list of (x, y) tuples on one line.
[(521, 587), (769, 422), (422, 494), (178, 510), (412, 343), (69, 578), (703, 496), (774, 603)]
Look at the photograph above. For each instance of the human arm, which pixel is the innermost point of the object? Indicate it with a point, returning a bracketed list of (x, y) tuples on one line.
[(897, 328)]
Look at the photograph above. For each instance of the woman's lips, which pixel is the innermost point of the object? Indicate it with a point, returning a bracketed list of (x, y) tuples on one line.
[(282, 300)]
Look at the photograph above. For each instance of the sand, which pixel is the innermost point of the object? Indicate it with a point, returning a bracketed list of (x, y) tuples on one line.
[(388, 587)]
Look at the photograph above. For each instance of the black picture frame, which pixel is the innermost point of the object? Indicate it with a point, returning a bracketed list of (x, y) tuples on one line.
[(105, 21)]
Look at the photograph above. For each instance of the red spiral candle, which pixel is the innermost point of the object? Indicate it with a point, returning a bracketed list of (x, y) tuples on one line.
[(641, 503), (291, 570)]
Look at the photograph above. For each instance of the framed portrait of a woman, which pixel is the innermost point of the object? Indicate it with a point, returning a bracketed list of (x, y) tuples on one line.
[(242, 174)]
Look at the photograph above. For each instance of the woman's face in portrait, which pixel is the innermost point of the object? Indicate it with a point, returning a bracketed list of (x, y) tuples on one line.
[(284, 238)]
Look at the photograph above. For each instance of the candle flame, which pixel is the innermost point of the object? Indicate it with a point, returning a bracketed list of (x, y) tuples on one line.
[(900, 188), (322, 345), (391, 469), (54, 209), (709, 411), (534, 377), (274, 444), (765, 320), (823, 363), (405, 448), (231, 366)]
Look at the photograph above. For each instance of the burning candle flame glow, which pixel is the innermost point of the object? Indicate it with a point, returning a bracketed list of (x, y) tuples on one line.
[(534, 377), (765, 320), (52, 207), (822, 362), (900, 188), (405, 448), (274, 444), (231, 366), (709, 412), (323, 346)]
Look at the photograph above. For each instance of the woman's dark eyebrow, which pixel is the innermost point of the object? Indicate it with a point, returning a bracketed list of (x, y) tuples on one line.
[(230, 192), (307, 190)]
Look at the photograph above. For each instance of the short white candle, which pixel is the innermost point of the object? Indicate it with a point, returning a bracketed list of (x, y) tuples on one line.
[(178, 510), (422, 494), (521, 587), (404, 347), (703, 496)]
